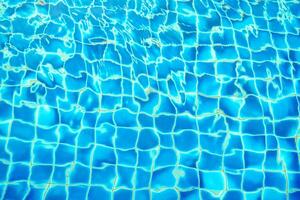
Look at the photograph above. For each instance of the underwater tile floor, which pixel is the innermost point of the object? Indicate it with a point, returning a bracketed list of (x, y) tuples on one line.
[(149, 99)]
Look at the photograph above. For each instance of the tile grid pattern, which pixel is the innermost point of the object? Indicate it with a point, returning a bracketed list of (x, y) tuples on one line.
[(149, 99)]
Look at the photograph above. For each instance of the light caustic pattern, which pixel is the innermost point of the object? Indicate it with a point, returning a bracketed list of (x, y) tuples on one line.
[(149, 99)]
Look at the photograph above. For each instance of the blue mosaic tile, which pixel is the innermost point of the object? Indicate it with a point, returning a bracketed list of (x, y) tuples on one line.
[(149, 99)]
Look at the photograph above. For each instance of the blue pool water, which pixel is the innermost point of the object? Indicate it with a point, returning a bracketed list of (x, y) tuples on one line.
[(149, 99)]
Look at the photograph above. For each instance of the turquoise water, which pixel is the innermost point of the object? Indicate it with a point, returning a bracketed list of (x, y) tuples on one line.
[(149, 99)]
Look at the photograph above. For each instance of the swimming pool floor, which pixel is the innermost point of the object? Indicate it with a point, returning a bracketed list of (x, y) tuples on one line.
[(149, 99)]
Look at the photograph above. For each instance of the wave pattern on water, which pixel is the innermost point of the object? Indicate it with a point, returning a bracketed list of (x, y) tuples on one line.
[(149, 99)]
